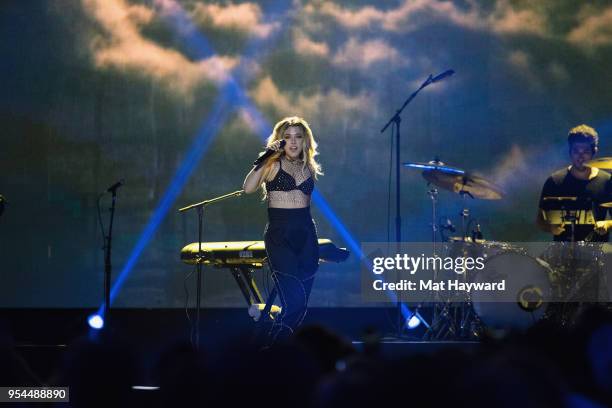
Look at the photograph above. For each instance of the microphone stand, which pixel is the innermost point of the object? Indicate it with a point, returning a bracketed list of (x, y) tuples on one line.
[(2, 203), (396, 121), (200, 258), (107, 258)]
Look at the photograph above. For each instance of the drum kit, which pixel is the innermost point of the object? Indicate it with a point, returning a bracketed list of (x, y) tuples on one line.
[(544, 283)]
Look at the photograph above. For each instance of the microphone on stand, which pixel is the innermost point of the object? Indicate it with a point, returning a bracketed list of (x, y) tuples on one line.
[(441, 76), (114, 187), (269, 152)]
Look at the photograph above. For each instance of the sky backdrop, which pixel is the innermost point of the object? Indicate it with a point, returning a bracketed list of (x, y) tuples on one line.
[(94, 91)]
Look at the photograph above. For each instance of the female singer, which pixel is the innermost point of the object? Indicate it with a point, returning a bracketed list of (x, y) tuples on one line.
[(287, 179)]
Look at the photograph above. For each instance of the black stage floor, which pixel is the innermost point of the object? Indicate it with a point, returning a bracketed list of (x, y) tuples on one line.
[(43, 336), (142, 348)]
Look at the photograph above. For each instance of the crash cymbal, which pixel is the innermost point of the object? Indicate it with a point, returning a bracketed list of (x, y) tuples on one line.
[(435, 165), (474, 186), (604, 163), (564, 198), (606, 205), (457, 180)]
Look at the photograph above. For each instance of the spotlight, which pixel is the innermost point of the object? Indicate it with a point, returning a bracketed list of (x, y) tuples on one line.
[(413, 322), (95, 321)]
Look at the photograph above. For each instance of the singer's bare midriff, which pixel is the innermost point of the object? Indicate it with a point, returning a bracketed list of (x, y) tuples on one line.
[(288, 199)]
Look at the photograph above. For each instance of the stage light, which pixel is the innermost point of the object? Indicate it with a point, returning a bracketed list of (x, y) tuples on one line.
[(413, 322), (95, 321)]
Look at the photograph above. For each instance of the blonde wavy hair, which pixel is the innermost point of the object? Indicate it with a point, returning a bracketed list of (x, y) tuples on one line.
[(309, 148)]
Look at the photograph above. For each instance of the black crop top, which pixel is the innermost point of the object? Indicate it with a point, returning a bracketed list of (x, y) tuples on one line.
[(284, 181)]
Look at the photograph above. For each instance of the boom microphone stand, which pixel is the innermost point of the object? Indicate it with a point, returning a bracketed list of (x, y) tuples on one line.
[(108, 240), (396, 120), (200, 258), (107, 258)]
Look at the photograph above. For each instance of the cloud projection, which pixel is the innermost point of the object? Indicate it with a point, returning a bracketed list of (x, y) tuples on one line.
[(243, 17), (594, 30), (114, 89), (123, 46)]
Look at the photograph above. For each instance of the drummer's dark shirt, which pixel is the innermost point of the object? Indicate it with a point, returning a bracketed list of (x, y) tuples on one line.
[(589, 192)]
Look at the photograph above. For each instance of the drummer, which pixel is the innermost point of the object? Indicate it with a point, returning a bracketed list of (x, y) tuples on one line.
[(589, 185)]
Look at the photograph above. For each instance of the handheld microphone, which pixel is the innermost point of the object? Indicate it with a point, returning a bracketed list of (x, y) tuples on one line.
[(114, 187), (442, 76), (269, 152)]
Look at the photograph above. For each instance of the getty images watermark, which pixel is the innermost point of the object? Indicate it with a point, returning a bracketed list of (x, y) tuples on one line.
[(487, 272)]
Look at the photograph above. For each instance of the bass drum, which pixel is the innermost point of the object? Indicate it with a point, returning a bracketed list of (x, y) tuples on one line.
[(527, 293)]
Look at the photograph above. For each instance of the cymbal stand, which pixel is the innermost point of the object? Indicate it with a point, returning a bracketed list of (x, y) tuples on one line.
[(433, 196), (199, 207), (467, 313), (441, 321), (466, 305), (465, 213), (572, 218), (108, 240)]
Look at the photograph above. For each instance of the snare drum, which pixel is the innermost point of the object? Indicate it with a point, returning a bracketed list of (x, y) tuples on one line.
[(480, 247)]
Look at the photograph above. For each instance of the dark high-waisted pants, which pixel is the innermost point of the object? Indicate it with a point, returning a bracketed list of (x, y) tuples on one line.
[(293, 256)]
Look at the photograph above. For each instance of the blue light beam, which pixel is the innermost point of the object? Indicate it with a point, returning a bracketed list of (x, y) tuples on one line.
[(200, 145)]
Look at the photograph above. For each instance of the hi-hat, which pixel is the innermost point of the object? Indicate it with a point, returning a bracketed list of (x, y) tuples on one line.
[(457, 180)]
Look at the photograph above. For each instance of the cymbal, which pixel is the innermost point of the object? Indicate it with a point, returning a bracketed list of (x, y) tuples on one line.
[(457, 180), (566, 203), (604, 163), (467, 240), (555, 198), (435, 165), (572, 199)]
